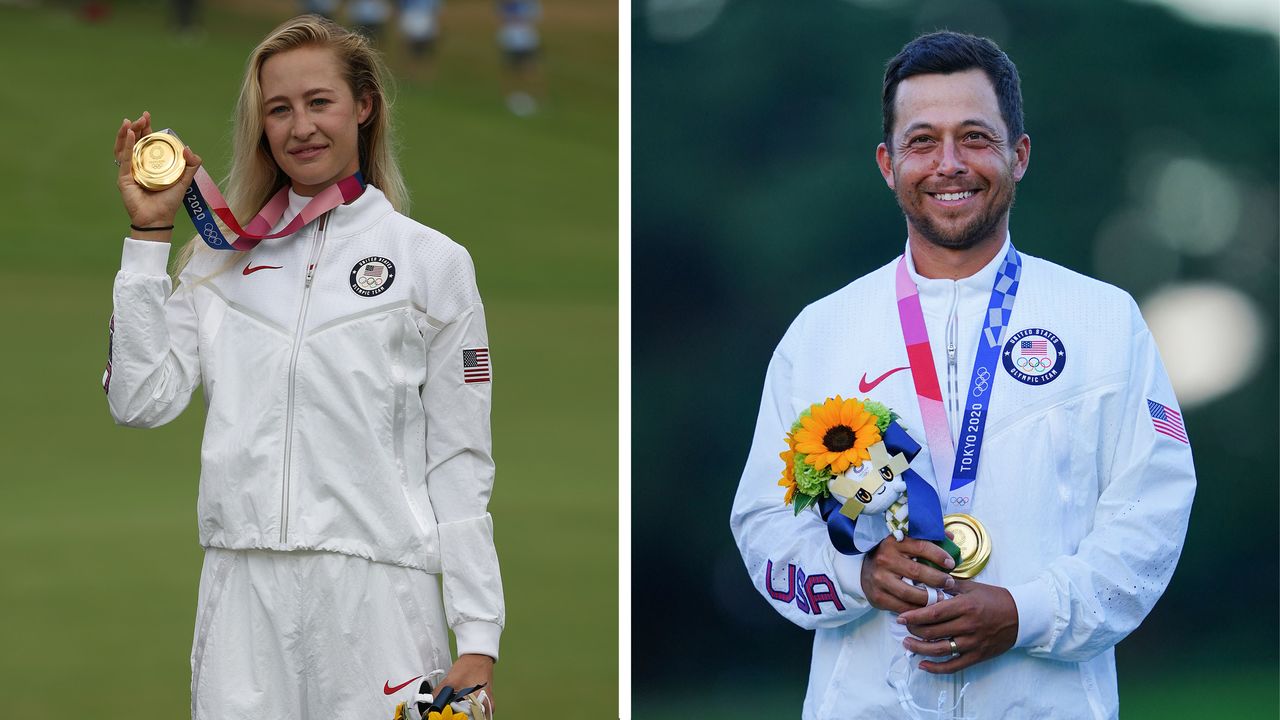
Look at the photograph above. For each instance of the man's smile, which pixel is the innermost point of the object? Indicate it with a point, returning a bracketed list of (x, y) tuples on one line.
[(954, 198)]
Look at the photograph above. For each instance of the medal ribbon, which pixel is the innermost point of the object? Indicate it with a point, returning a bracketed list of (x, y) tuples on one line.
[(964, 470), (202, 212)]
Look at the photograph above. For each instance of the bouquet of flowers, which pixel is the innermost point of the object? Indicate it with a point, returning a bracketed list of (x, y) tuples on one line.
[(829, 453), (850, 457)]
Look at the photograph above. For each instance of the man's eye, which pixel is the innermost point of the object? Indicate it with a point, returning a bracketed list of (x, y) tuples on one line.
[(975, 136), (921, 139)]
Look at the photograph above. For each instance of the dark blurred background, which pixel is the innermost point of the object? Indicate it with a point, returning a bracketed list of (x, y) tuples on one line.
[(1154, 167)]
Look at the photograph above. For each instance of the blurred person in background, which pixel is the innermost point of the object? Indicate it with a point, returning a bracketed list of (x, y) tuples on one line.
[(1082, 478), (324, 8), (420, 25), (419, 20), (518, 39), (369, 16), (346, 466)]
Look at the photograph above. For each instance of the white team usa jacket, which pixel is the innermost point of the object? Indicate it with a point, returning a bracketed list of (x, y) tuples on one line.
[(346, 374), (1084, 485)]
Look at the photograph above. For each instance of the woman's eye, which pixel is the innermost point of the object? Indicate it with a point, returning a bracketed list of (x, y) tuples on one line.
[(277, 110), (320, 102)]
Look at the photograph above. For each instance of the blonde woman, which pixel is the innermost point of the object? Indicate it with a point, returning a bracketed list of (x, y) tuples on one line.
[(345, 467)]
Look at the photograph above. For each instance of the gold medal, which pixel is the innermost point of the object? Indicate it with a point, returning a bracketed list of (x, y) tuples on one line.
[(158, 161), (974, 542)]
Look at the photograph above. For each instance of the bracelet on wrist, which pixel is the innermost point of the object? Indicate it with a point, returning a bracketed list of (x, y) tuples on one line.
[(154, 228)]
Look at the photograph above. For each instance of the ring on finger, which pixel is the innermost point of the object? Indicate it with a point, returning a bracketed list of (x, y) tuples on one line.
[(955, 649)]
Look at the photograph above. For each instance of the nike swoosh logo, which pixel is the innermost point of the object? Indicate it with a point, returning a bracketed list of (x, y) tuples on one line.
[(250, 270), (864, 386), (388, 690)]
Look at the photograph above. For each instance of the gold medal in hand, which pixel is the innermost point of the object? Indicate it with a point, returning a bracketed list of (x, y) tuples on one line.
[(974, 542), (158, 161)]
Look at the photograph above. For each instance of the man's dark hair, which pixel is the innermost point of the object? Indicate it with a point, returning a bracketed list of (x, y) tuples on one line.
[(948, 52)]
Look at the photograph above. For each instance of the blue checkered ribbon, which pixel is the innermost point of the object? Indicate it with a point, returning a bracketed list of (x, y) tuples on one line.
[(1004, 290), (1000, 308)]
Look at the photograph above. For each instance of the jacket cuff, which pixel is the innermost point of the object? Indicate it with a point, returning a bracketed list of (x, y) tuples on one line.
[(1035, 602), (478, 637), (848, 570), (145, 257)]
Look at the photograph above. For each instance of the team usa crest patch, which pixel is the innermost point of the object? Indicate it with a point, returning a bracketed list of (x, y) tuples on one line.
[(475, 365), (372, 276), (1034, 356)]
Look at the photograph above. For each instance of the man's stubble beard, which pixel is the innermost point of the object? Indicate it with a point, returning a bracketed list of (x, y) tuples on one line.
[(968, 236)]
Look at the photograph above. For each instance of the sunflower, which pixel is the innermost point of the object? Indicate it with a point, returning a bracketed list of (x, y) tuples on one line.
[(836, 433), (446, 715), (788, 480)]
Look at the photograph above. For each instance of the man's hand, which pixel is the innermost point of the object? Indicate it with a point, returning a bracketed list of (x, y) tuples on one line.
[(981, 619), (888, 563), (469, 670)]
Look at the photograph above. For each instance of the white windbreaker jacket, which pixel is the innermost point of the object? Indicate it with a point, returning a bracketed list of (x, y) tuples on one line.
[(1086, 503), (346, 375)]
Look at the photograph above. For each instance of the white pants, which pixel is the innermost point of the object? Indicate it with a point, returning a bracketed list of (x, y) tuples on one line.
[(311, 636)]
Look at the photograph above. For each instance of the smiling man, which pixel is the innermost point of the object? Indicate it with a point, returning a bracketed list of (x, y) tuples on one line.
[(1053, 451)]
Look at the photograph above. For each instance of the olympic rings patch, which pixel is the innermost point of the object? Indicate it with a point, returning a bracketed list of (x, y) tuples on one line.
[(1034, 356), (372, 276)]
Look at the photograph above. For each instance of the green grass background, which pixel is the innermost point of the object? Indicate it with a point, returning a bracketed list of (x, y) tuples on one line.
[(97, 522)]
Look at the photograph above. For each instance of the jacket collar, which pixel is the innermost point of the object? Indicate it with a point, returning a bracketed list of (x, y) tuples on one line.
[(980, 281)]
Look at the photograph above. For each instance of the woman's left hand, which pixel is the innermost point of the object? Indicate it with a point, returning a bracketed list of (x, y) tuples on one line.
[(469, 670)]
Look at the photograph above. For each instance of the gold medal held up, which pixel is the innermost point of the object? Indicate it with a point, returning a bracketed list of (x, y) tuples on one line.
[(158, 161), (974, 542)]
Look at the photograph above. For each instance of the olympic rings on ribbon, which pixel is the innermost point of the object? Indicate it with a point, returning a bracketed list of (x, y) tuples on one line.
[(981, 382)]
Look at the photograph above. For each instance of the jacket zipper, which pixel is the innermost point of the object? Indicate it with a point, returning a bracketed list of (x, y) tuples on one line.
[(316, 245), (953, 404), (953, 368)]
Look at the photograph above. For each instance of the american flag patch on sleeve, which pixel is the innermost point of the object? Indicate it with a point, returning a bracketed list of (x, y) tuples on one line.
[(475, 365), (1167, 421)]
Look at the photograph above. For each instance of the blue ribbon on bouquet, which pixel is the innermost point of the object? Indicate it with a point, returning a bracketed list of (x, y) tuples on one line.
[(924, 522)]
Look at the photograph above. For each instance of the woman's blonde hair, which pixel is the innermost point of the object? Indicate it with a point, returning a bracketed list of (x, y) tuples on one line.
[(254, 175)]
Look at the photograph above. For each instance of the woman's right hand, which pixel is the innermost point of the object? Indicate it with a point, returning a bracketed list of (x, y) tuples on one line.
[(149, 208)]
